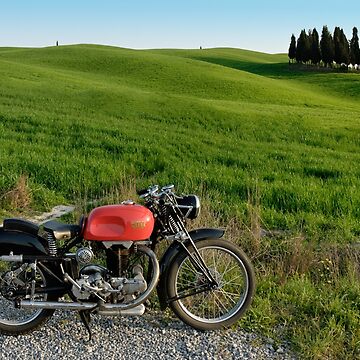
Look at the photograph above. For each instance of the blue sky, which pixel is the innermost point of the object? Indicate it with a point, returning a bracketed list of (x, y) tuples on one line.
[(256, 25)]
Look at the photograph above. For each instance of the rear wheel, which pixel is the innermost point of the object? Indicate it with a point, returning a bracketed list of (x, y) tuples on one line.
[(213, 308), (18, 278)]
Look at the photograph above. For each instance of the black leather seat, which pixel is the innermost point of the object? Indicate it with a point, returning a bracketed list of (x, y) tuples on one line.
[(62, 231), (21, 225)]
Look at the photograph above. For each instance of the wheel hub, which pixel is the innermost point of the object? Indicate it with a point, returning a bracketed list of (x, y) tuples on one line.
[(202, 280), (7, 289)]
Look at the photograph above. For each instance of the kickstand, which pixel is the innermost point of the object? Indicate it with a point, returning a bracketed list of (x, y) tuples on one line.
[(85, 318)]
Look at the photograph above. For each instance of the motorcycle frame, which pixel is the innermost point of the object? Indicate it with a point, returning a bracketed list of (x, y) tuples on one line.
[(20, 240)]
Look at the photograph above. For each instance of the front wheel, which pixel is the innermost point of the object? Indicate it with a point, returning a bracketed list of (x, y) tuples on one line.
[(201, 307)]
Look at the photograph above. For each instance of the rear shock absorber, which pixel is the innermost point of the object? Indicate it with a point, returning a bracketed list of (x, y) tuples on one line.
[(52, 243)]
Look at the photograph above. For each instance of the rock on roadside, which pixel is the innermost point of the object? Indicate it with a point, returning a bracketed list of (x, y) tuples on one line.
[(55, 213)]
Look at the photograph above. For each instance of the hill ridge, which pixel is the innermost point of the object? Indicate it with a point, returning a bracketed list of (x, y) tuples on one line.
[(229, 85)]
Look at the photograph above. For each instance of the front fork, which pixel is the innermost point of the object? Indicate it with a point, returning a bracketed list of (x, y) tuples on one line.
[(199, 265), (197, 261)]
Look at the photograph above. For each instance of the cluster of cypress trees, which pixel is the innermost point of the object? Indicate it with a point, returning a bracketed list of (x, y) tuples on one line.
[(330, 49)]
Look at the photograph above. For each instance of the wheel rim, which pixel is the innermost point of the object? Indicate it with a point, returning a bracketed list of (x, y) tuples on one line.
[(220, 304), (11, 316)]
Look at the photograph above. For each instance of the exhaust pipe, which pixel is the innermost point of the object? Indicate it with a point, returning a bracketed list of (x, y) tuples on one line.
[(113, 310), (104, 309), (11, 258), (54, 305)]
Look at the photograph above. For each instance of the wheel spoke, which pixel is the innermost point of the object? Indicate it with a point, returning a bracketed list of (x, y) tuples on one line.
[(214, 262), (188, 265), (232, 281), (185, 283), (227, 296), (221, 303)]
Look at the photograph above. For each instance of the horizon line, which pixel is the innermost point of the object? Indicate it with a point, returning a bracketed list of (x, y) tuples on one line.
[(140, 48)]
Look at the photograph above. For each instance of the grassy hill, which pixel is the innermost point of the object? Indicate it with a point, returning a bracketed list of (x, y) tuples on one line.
[(242, 126), (80, 118)]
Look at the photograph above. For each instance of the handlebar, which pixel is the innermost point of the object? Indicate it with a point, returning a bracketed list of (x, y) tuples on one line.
[(153, 191)]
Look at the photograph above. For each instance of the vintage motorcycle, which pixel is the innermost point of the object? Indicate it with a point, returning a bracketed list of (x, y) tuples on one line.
[(207, 281)]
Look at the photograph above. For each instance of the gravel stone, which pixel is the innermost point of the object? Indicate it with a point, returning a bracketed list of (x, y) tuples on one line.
[(146, 337)]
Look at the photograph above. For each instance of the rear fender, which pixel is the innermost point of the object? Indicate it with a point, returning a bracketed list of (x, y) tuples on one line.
[(171, 253), (21, 238), (19, 242)]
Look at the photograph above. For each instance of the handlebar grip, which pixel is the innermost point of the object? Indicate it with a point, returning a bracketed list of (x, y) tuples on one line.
[(142, 192)]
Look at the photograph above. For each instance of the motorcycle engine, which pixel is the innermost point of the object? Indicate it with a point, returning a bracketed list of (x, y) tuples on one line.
[(96, 283)]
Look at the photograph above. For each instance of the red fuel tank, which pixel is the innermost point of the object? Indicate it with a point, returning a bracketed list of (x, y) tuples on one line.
[(119, 223)]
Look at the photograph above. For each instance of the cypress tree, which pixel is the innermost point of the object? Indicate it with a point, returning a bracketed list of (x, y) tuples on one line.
[(303, 48), (337, 45), (341, 46), (308, 45), (354, 48), (300, 48), (345, 49), (292, 48), (315, 48), (326, 46)]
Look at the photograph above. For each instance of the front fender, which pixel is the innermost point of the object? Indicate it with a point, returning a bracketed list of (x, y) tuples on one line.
[(171, 253), (19, 242)]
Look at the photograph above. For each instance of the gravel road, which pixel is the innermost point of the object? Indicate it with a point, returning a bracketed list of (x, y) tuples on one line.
[(146, 337)]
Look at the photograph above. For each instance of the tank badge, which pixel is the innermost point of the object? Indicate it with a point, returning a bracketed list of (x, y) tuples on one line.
[(138, 224)]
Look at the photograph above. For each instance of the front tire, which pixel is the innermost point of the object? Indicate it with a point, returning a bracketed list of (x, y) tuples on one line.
[(220, 307)]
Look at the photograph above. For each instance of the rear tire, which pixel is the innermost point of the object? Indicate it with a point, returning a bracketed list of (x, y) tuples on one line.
[(221, 307), (41, 318)]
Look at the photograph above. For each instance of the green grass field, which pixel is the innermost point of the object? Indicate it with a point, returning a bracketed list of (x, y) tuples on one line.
[(241, 127)]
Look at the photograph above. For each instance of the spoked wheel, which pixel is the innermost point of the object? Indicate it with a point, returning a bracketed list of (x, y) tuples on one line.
[(204, 308), (18, 278)]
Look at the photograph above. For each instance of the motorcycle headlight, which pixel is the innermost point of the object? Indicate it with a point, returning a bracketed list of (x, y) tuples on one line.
[(189, 206)]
